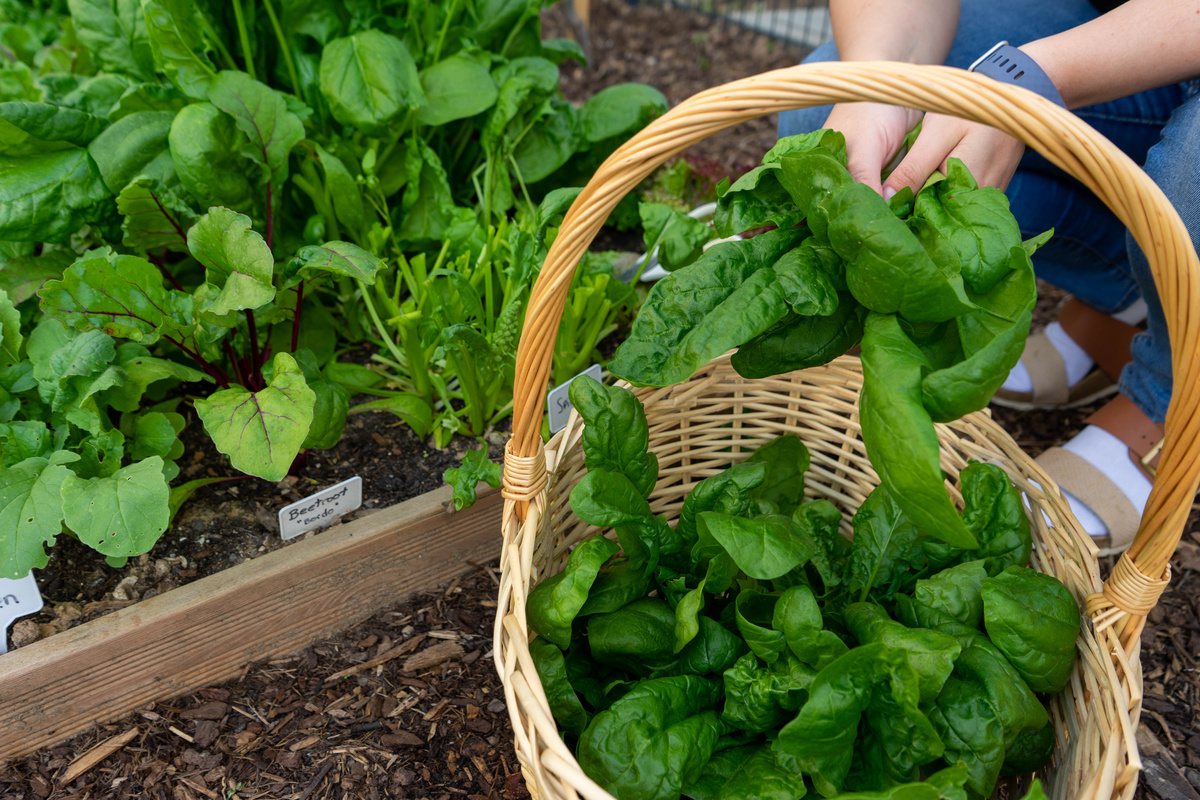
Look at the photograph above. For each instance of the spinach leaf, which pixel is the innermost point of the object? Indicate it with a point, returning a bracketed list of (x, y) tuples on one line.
[(638, 638), (994, 512), (679, 238), (972, 731), (887, 269), (798, 616), (456, 88), (205, 146), (763, 547), (714, 649), (832, 557), (615, 436), (619, 111), (369, 79), (899, 434), (754, 612), (607, 499), (931, 654), (555, 602), (1029, 752), (993, 338), (30, 128), (886, 551), (132, 146), (1033, 619), (727, 492), (115, 35), (653, 741), (727, 297), (946, 784), (955, 591), (618, 584), (564, 702), (799, 342), (760, 699), (786, 459), (47, 197), (745, 772), (755, 200), (874, 680), (176, 31), (687, 611), (975, 220)]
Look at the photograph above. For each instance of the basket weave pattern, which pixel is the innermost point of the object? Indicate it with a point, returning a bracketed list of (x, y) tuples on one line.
[(715, 419)]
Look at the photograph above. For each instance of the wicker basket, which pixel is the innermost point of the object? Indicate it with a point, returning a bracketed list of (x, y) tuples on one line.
[(716, 418)]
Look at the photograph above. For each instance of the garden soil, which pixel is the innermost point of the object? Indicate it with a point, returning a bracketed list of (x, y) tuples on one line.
[(408, 703)]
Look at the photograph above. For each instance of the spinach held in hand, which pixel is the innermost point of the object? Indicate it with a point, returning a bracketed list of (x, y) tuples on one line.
[(938, 288), (753, 651)]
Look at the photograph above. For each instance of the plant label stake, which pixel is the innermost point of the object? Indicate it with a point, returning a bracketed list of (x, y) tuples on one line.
[(18, 598), (320, 510), (558, 404)]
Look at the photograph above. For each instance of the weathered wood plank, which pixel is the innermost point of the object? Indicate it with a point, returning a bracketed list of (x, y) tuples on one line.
[(208, 630)]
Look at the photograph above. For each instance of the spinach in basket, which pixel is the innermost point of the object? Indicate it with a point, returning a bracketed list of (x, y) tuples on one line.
[(938, 288), (752, 651)]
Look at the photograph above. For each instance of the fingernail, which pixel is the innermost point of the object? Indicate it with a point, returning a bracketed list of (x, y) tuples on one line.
[(888, 193)]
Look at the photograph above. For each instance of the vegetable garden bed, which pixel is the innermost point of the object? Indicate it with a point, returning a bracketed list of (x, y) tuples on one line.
[(209, 630)]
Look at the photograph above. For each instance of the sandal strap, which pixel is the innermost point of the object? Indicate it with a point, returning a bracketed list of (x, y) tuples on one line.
[(1096, 490), (1123, 419), (1105, 339), (1047, 371)]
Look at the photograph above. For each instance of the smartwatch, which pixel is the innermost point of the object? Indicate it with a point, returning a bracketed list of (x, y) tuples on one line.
[(1008, 64)]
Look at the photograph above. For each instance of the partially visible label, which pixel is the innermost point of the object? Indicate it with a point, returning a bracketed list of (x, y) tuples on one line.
[(558, 404), (321, 509), (18, 598)]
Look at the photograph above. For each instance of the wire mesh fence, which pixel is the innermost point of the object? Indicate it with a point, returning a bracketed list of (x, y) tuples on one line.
[(804, 23)]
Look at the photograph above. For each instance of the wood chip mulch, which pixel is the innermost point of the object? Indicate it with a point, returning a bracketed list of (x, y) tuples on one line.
[(406, 705)]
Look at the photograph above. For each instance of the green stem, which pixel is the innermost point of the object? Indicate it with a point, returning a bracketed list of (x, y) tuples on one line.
[(468, 382), (450, 12), (284, 47), (244, 36), (508, 40), (379, 326)]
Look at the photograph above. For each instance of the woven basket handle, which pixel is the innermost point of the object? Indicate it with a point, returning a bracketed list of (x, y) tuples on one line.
[(1057, 134)]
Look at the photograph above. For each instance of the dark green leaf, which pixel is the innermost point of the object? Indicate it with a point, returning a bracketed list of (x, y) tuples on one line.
[(930, 653), (114, 32), (746, 772), (886, 551), (31, 128), (799, 618), (46, 198), (653, 741), (617, 585), (369, 79), (786, 460), (552, 671), (176, 34), (763, 547), (455, 88), (727, 492), (1033, 619), (263, 115), (955, 591), (899, 435), (554, 603), (797, 342), (620, 111), (754, 613), (206, 152), (615, 436), (156, 218), (637, 638)]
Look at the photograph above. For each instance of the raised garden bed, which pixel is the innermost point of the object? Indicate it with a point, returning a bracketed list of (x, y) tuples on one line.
[(209, 630)]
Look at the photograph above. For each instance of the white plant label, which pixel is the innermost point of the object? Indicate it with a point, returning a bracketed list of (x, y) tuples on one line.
[(18, 598), (558, 404), (321, 509)]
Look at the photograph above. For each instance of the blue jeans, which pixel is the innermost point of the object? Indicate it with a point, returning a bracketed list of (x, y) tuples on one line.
[(1091, 255)]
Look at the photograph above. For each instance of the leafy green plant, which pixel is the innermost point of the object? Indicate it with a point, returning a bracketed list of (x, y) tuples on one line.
[(87, 443), (937, 287), (755, 652)]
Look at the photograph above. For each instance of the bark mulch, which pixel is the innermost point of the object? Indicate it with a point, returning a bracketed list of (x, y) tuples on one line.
[(407, 704)]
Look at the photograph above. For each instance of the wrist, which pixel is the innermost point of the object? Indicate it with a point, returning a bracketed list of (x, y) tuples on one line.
[(1045, 56), (1012, 65)]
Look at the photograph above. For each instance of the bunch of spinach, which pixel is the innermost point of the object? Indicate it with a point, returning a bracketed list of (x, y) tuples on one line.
[(937, 287), (751, 650)]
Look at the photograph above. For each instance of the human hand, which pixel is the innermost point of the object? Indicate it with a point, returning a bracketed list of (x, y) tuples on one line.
[(874, 133), (991, 155)]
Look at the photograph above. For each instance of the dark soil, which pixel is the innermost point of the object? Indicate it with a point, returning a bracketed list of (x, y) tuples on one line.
[(397, 730)]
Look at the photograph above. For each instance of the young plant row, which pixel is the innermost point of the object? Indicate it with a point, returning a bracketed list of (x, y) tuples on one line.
[(203, 204), (752, 651)]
